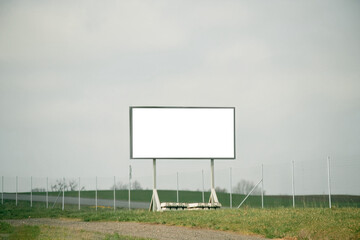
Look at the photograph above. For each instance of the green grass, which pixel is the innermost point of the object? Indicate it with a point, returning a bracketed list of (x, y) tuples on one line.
[(5, 228), (21, 232), (303, 223), (224, 198), (27, 232)]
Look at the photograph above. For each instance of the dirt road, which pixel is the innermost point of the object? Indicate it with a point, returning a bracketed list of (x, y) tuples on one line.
[(145, 230)]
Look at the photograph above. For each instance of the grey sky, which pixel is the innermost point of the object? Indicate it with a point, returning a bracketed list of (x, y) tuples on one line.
[(70, 70)]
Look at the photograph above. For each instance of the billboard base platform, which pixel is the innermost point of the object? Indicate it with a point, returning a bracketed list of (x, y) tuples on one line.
[(189, 206)]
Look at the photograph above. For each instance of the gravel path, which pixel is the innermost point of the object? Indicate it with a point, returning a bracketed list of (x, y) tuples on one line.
[(145, 230)]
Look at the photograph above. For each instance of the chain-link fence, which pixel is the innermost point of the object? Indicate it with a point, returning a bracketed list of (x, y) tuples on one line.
[(327, 183)]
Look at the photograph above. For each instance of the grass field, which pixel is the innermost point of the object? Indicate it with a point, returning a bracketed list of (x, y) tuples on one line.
[(224, 198), (302, 223)]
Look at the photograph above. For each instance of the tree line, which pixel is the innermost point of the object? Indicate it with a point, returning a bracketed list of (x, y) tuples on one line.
[(242, 187)]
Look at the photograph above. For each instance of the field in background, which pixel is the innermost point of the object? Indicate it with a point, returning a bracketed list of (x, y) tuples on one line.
[(304, 223), (224, 198)]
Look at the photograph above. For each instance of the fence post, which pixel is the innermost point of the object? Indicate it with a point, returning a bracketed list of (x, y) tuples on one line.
[(31, 187), (2, 190), (230, 187), (114, 193), (96, 193), (293, 184), (202, 173), (130, 175), (63, 196), (16, 194), (262, 185), (329, 180), (79, 194), (47, 192), (177, 187)]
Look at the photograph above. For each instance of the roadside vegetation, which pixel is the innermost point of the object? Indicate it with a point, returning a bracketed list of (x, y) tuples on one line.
[(302, 223)]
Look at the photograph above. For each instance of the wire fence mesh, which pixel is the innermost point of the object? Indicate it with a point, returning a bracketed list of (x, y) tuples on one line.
[(294, 183)]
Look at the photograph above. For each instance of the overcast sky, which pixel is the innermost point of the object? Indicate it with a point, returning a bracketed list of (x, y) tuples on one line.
[(69, 70)]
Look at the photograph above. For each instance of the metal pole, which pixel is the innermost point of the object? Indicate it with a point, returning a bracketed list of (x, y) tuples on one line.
[(262, 186), (79, 195), (114, 192), (31, 187), (154, 172), (212, 175), (63, 196), (47, 192), (96, 193), (16, 196), (230, 187), (2, 190), (154, 203), (177, 187), (249, 193), (202, 173), (129, 187), (329, 181), (293, 184)]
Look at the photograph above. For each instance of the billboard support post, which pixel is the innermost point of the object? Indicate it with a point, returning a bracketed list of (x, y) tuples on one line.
[(213, 197), (155, 201)]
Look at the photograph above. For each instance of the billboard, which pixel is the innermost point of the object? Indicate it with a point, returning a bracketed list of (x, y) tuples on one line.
[(182, 133)]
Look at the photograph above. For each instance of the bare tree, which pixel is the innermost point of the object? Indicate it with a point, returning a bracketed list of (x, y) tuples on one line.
[(136, 185), (73, 186), (244, 187), (119, 186), (38, 190), (59, 186), (220, 190)]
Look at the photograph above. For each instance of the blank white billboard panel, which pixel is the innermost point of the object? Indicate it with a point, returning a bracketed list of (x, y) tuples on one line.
[(180, 133)]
